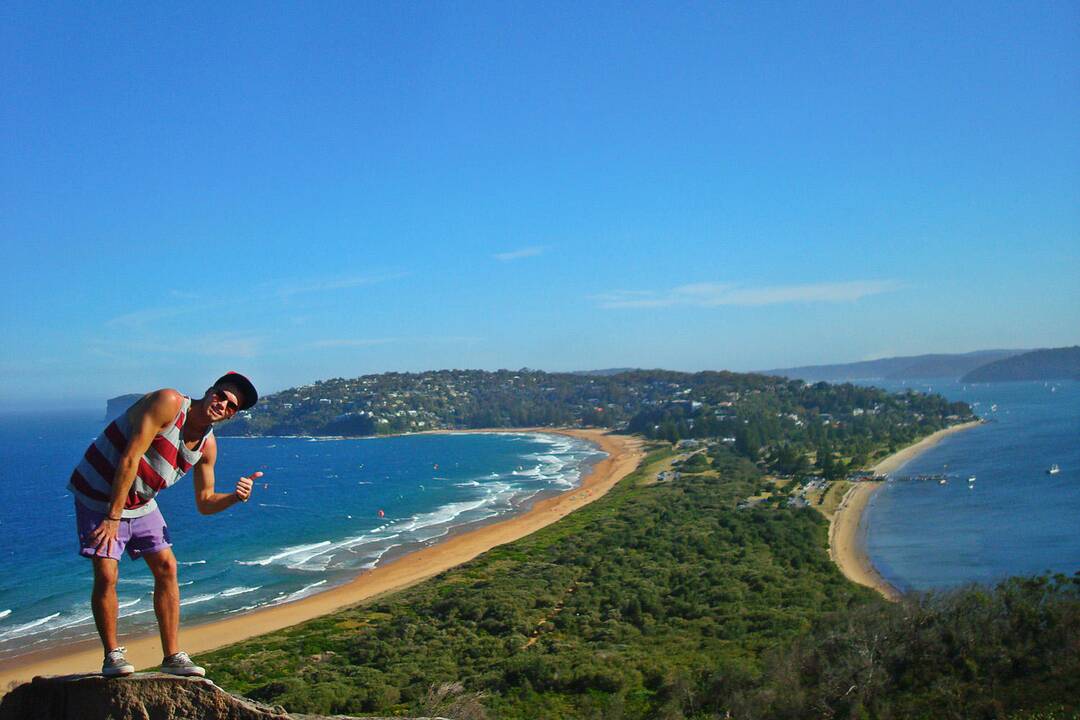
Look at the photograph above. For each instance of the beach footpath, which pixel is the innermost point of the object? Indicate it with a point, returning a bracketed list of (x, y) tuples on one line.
[(847, 531)]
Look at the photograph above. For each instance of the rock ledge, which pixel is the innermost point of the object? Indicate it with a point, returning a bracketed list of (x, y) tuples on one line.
[(142, 696)]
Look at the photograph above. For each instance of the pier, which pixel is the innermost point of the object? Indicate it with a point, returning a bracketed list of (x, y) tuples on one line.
[(938, 477)]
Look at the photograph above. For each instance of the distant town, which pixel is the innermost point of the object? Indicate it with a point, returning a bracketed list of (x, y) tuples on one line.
[(791, 428)]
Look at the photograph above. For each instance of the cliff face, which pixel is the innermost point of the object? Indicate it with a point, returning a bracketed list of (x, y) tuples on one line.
[(143, 696), (117, 405)]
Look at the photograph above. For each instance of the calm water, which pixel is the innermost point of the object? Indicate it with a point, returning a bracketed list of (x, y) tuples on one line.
[(311, 524), (1015, 519)]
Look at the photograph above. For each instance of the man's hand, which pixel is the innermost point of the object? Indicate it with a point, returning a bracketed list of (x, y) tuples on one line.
[(104, 535), (243, 487)]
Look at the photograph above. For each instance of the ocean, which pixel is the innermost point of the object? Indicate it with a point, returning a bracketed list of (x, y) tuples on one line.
[(313, 521), (1013, 519)]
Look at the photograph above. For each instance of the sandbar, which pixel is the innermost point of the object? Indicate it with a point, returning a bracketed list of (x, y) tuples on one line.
[(847, 528), (144, 651)]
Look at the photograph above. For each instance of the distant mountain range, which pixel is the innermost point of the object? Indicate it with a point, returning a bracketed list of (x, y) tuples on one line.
[(606, 372), (1052, 364), (914, 367)]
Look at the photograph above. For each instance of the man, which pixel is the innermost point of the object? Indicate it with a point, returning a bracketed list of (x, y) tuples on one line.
[(142, 452)]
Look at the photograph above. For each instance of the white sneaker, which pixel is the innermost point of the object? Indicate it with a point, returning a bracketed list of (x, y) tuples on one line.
[(180, 664), (116, 665)]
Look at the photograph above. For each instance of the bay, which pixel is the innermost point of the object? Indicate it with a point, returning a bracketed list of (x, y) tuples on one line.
[(313, 521), (1013, 519)]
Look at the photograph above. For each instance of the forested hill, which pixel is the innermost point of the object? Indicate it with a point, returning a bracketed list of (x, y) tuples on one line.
[(914, 367), (1052, 364), (762, 417)]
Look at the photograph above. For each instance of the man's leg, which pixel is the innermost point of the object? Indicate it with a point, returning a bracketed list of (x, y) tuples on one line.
[(166, 599), (103, 600)]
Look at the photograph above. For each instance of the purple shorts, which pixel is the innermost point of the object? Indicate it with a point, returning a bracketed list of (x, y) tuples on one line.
[(141, 536)]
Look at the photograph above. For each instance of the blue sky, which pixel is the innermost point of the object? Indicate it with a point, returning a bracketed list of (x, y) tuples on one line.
[(303, 191)]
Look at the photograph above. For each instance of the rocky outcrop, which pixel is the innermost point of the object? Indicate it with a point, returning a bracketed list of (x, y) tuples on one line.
[(143, 696), (118, 405)]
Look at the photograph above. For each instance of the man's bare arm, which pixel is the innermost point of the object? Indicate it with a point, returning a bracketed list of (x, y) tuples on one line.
[(206, 499)]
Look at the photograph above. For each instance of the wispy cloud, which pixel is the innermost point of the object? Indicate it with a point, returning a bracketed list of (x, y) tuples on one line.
[(719, 294), (287, 290), (225, 345), (448, 339), (188, 303), (184, 295), (521, 253), (351, 342), (207, 345), (331, 343), (147, 317)]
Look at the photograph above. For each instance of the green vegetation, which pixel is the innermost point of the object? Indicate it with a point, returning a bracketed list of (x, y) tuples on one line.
[(696, 463), (708, 594), (665, 601), (782, 423), (1052, 364), (617, 606), (1013, 651)]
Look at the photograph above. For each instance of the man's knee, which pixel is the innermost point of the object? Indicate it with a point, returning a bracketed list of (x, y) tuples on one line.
[(106, 572), (162, 564)]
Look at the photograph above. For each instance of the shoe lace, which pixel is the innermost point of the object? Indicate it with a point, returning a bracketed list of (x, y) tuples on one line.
[(116, 653), (180, 658)]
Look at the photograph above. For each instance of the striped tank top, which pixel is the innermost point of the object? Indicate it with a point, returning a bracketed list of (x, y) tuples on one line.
[(163, 463)]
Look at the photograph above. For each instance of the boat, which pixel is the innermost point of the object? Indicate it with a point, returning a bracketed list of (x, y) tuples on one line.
[(942, 481), (971, 479), (1053, 469)]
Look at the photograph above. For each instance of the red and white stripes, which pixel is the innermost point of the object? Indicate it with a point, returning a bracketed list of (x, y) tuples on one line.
[(164, 462)]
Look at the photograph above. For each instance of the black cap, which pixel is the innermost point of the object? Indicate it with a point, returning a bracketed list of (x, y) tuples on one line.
[(251, 395)]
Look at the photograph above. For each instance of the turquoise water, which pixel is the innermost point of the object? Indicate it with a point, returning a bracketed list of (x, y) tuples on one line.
[(1014, 519), (312, 523)]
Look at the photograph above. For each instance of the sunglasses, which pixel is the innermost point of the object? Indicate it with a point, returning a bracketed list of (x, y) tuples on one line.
[(229, 404)]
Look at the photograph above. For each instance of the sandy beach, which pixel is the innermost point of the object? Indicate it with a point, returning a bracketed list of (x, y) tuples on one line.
[(624, 454), (846, 529)]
